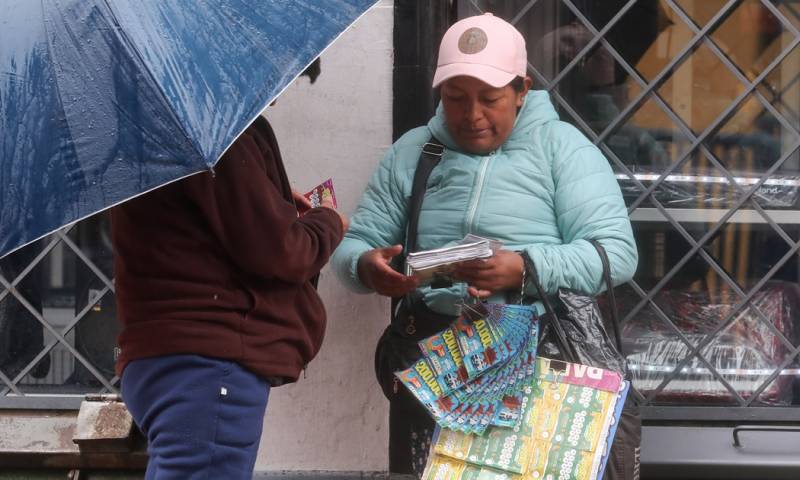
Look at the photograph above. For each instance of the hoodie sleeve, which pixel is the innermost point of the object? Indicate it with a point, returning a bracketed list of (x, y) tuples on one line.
[(588, 206), (379, 221)]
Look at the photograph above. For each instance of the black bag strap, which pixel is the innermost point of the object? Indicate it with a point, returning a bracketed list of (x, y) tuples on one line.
[(561, 337), (612, 299), (428, 159)]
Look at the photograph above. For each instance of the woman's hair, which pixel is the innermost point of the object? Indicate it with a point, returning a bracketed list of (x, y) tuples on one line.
[(518, 83)]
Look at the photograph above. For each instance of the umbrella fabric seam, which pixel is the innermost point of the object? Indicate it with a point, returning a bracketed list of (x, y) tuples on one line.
[(270, 100), (125, 40), (125, 97)]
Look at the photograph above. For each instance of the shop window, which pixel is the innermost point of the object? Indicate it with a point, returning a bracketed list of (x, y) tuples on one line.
[(58, 318), (696, 105)]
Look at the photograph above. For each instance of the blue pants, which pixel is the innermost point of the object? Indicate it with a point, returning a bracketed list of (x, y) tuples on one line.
[(202, 416)]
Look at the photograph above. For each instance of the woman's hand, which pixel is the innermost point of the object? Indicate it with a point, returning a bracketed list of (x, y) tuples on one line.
[(503, 271), (375, 272)]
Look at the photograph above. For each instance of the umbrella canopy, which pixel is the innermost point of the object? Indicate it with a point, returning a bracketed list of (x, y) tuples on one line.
[(102, 100)]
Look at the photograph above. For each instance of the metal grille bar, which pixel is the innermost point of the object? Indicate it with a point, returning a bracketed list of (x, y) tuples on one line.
[(11, 388), (697, 143), (689, 238), (690, 134)]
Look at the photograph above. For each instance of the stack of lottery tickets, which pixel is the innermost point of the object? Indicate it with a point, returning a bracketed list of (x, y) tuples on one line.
[(436, 266), (569, 417), (473, 374)]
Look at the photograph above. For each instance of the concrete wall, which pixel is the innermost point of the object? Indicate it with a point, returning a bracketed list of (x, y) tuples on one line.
[(336, 418)]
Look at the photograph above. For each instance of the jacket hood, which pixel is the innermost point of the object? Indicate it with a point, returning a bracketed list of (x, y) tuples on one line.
[(536, 110)]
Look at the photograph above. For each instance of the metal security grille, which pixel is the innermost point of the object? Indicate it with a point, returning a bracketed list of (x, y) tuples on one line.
[(57, 319), (571, 33)]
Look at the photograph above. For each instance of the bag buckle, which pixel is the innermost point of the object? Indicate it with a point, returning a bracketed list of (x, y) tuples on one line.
[(411, 329), (433, 149)]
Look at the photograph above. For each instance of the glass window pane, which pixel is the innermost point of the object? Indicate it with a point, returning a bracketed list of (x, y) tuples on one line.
[(711, 164), (61, 307)]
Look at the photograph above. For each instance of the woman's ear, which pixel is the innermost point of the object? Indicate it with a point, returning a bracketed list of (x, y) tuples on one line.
[(526, 85)]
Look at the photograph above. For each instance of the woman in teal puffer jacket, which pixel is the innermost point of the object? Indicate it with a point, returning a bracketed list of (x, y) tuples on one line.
[(511, 171), (545, 189)]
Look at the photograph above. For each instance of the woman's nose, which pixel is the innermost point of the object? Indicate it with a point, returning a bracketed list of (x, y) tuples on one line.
[(474, 111)]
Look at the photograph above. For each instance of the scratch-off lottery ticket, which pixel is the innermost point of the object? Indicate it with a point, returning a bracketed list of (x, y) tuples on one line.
[(478, 345), (441, 350), (321, 192)]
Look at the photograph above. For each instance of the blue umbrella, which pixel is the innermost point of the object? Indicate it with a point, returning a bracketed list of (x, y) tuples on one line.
[(102, 100)]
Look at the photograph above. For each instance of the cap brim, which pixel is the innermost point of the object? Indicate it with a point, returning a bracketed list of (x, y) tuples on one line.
[(490, 75)]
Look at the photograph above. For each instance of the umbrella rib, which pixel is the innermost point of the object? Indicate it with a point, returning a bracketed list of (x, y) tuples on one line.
[(134, 52), (330, 42)]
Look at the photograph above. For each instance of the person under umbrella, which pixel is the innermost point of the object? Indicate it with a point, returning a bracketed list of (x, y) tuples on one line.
[(215, 288)]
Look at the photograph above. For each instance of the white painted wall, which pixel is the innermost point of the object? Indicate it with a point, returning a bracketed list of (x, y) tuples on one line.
[(337, 418)]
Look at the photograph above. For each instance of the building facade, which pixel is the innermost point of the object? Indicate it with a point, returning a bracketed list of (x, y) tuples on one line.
[(696, 105)]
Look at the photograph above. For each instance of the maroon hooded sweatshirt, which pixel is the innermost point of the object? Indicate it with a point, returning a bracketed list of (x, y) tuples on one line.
[(219, 264)]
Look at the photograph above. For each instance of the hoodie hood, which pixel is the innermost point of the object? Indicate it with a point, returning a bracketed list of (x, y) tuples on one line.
[(536, 110)]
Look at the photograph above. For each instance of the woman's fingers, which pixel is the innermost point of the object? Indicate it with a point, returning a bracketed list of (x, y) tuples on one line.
[(500, 272), (477, 265), (388, 253), (376, 272), (483, 277), (478, 293), (392, 283)]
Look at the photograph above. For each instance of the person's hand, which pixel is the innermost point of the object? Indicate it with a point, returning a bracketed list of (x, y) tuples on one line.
[(301, 202), (327, 202), (375, 272), (484, 277)]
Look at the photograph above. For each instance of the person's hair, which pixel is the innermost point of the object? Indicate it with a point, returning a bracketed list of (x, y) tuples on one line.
[(312, 71), (518, 84)]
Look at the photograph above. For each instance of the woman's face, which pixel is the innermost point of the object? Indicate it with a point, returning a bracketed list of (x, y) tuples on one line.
[(480, 117)]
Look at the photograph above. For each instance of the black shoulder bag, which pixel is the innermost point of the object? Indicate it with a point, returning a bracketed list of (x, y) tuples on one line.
[(574, 329), (411, 319)]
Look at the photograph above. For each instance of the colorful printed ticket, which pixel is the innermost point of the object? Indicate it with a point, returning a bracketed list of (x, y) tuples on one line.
[(502, 448), (566, 431), (471, 374), (321, 192), (443, 353), (556, 371), (443, 468), (503, 412), (421, 381), (493, 398), (477, 348)]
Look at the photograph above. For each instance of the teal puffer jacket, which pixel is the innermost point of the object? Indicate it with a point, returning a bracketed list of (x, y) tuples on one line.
[(547, 190)]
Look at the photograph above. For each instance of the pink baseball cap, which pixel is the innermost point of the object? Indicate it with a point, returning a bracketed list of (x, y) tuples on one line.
[(485, 47)]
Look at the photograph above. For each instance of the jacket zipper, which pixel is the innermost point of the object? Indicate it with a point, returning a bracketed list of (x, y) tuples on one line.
[(482, 179)]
